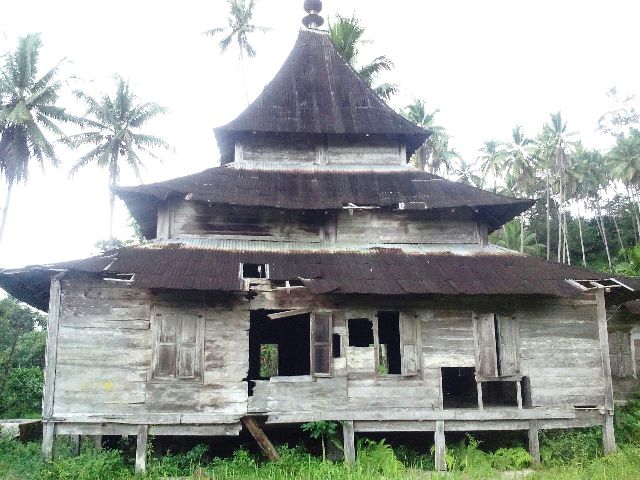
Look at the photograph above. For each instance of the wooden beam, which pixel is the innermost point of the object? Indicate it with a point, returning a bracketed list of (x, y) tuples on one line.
[(441, 448), (288, 313), (251, 424), (608, 434), (48, 436), (141, 448), (534, 441), (349, 443), (604, 347)]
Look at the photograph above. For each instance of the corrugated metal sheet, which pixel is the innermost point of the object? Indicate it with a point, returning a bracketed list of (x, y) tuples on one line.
[(382, 271), (320, 190), (317, 92)]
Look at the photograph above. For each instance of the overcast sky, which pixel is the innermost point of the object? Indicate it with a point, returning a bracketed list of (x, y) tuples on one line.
[(487, 65)]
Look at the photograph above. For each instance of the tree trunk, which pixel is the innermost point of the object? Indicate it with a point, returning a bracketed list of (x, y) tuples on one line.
[(635, 206), (522, 233), (560, 243), (324, 450), (615, 223), (548, 222), (244, 76), (584, 260), (5, 211), (566, 236), (112, 205), (603, 231)]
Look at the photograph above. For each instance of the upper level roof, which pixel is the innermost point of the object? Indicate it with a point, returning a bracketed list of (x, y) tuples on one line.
[(317, 92), (307, 189)]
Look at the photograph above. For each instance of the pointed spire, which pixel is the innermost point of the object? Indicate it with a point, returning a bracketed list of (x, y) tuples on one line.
[(313, 20)]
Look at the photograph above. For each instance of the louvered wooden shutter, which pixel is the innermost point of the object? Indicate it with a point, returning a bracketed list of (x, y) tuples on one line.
[(485, 340), (409, 344), (189, 361), (166, 346), (321, 344), (508, 346)]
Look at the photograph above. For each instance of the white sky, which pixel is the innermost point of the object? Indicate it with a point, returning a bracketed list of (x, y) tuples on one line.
[(487, 65)]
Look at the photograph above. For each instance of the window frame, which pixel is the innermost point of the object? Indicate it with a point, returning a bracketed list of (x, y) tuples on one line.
[(160, 314), (313, 343)]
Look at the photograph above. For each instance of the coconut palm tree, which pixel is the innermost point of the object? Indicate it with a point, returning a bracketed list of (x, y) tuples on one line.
[(29, 114), (239, 28), (434, 155), (467, 174), (624, 164), (520, 167), (114, 128), (492, 160), (347, 35)]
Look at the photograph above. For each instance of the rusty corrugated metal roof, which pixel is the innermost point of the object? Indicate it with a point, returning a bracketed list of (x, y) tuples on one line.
[(319, 190), (378, 271)]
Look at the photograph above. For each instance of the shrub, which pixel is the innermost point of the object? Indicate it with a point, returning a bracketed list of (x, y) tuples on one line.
[(570, 447), (22, 396)]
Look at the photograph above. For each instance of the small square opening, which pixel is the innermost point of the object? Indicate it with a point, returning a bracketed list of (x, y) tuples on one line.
[(254, 270), (360, 332), (459, 387)]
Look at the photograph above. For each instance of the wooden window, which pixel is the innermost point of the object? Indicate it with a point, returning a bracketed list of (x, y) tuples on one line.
[(321, 343), (409, 342), (178, 344), (497, 341)]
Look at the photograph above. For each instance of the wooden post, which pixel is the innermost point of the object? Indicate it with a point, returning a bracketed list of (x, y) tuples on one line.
[(98, 441), (441, 461), (608, 434), (258, 434), (480, 401), (608, 431), (141, 448), (349, 442), (519, 393), (534, 441), (48, 435), (48, 428), (75, 445)]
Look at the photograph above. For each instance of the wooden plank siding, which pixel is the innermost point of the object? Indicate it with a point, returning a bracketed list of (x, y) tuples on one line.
[(349, 226), (105, 353)]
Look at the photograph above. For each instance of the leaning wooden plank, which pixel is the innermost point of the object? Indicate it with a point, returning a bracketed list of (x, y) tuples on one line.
[(289, 313), (258, 434)]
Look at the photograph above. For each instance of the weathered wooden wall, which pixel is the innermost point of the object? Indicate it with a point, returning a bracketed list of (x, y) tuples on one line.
[(104, 359), (332, 150), (104, 356), (347, 226)]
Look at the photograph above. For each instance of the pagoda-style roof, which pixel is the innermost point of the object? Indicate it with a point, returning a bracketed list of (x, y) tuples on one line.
[(207, 265), (320, 189), (317, 92)]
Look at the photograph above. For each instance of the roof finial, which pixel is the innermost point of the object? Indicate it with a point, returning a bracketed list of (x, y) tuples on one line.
[(313, 8)]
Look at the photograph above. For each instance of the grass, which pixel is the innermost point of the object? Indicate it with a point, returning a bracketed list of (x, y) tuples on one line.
[(566, 455)]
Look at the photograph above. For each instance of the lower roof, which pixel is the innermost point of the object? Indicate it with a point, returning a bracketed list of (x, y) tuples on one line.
[(192, 264)]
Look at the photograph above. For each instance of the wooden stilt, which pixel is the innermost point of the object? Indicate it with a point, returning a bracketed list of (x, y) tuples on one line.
[(441, 462), (480, 401), (98, 442), (141, 448), (349, 442), (608, 434), (258, 434), (75, 445), (534, 441), (48, 436)]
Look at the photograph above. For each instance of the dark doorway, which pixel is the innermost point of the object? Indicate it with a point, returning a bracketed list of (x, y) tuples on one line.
[(389, 337), (459, 388), (290, 335)]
